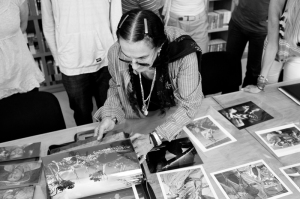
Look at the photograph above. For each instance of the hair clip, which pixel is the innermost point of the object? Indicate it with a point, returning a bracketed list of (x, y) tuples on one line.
[(123, 21), (146, 26)]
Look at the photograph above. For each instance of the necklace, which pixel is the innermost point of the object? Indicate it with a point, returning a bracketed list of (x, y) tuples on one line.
[(145, 107)]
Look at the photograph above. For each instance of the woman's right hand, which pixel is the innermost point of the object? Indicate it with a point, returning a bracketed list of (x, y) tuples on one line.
[(106, 124)]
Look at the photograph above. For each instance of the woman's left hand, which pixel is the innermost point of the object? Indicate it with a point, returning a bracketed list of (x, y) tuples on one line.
[(142, 145), (251, 89)]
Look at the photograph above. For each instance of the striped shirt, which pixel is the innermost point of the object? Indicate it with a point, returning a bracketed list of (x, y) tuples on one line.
[(152, 5), (185, 79)]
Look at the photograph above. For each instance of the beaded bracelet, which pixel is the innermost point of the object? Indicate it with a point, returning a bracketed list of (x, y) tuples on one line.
[(261, 82)]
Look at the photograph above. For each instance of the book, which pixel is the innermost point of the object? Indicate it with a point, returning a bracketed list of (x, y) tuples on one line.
[(18, 193), (13, 175), (292, 91), (226, 15), (92, 170), (17, 152)]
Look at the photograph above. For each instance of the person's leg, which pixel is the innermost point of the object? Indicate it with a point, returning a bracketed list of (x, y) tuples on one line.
[(256, 45), (101, 84), (291, 69), (79, 91)]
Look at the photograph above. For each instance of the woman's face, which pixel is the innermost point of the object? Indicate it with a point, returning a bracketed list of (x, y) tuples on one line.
[(16, 153), (140, 54), (15, 175)]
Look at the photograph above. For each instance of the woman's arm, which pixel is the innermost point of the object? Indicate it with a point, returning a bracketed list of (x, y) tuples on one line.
[(24, 12), (188, 94)]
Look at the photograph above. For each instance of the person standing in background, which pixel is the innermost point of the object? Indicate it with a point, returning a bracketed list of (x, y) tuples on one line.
[(248, 24), (18, 71), (152, 5), (79, 34), (190, 16)]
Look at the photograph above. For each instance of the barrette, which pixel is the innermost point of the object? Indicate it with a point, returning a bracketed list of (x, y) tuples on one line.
[(146, 26), (123, 21)]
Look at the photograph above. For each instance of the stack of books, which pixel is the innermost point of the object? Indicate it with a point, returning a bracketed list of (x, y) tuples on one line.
[(218, 19), (215, 45)]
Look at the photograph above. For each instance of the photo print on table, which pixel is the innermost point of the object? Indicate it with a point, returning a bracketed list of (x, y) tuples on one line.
[(17, 152), (19, 174), (190, 182), (292, 172), (252, 180), (126, 193), (207, 133), (282, 140), (245, 115), (93, 170), (176, 154), (18, 193)]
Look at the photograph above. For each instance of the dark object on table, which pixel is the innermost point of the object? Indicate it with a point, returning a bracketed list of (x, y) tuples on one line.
[(292, 91), (29, 114), (220, 72)]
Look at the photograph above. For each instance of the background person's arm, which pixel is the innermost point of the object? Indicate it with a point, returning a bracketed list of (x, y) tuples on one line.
[(24, 12)]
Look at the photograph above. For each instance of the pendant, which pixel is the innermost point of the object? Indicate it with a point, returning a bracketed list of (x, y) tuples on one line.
[(145, 111)]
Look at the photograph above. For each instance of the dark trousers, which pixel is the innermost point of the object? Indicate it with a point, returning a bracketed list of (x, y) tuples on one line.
[(81, 89), (236, 42)]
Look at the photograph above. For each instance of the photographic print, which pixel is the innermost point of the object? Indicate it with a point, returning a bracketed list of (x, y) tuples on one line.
[(191, 182), (119, 194), (176, 154), (17, 152), (18, 193), (93, 170), (252, 180), (245, 115), (282, 140), (21, 174), (139, 191), (292, 173), (207, 133)]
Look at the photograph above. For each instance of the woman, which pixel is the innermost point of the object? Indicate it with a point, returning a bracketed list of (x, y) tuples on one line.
[(283, 44), (152, 68), (18, 71)]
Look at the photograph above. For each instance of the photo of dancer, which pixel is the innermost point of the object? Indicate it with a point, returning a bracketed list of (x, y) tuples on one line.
[(186, 183), (207, 133), (16, 152), (292, 172), (176, 154), (17, 193), (254, 180), (282, 140), (245, 115)]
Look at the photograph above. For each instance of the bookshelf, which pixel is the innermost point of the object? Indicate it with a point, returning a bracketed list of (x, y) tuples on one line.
[(40, 50)]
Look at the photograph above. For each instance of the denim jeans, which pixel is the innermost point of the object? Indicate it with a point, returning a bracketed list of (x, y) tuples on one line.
[(81, 89), (236, 42)]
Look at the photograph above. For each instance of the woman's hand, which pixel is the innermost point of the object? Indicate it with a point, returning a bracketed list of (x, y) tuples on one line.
[(142, 145), (251, 89), (106, 124)]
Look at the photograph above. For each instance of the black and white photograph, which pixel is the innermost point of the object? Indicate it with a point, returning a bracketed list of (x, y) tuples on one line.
[(93, 170), (119, 194), (282, 140), (191, 183), (18, 193), (245, 115), (292, 172), (17, 152), (140, 192), (208, 134), (176, 154), (251, 180), (21, 174)]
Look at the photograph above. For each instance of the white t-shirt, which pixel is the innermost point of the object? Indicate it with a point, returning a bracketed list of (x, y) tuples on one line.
[(187, 7)]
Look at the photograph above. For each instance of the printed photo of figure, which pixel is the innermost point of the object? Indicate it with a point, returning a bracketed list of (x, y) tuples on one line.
[(16, 175), (245, 115), (282, 140), (188, 183), (208, 134), (253, 180), (176, 154), (17, 193), (120, 194), (292, 172), (8, 153), (93, 170)]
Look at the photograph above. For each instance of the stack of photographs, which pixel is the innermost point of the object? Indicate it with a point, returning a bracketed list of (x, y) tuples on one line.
[(19, 170), (93, 171)]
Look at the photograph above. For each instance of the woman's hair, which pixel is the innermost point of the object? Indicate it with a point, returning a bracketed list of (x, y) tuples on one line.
[(292, 28), (138, 25)]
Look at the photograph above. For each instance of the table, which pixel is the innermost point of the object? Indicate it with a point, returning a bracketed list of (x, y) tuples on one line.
[(248, 147)]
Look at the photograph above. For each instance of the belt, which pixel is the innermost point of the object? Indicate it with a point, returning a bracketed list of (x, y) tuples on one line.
[(186, 17)]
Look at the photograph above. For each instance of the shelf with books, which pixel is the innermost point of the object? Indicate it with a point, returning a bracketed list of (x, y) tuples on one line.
[(225, 28)]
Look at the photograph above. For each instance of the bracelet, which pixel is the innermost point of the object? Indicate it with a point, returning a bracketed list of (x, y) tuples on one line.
[(153, 139), (157, 139), (260, 88)]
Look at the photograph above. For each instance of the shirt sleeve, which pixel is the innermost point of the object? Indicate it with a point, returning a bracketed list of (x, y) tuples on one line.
[(188, 95), (49, 27)]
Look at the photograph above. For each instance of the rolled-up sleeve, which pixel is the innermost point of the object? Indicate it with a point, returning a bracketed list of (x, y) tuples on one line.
[(188, 93), (112, 106)]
